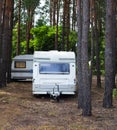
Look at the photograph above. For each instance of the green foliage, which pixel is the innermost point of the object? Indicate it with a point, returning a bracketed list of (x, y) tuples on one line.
[(73, 40), (101, 55), (14, 41), (40, 22), (31, 4), (115, 93), (44, 38), (102, 47), (22, 39)]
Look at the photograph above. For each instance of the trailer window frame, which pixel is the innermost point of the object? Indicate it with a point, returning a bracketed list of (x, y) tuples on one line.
[(20, 64), (53, 70)]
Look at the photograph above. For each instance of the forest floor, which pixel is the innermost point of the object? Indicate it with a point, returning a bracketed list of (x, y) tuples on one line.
[(20, 110)]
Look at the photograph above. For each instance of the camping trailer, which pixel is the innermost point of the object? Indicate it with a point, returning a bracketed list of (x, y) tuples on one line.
[(22, 67), (54, 73)]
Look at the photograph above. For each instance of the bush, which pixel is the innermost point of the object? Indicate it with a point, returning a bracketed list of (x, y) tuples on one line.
[(115, 93)]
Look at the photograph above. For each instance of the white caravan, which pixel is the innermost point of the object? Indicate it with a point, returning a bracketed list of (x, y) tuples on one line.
[(22, 67), (54, 73)]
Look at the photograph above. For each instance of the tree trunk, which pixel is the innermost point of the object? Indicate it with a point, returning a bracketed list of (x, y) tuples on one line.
[(51, 7), (30, 7), (1, 32), (114, 43), (18, 29), (54, 12), (79, 22), (9, 58), (66, 25), (74, 16), (63, 28), (92, 15), (84, 60), (57, 20), (5, 42), (29, 26), (97, 55), (109, 70)]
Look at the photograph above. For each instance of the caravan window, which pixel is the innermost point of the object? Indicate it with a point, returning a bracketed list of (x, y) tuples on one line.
[(54, 68), (20, 64)]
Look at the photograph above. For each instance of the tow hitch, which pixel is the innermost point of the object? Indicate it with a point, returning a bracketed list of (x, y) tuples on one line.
[(55, 94)]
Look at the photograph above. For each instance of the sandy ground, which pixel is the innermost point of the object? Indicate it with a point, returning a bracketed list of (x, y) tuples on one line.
[(20, 110)]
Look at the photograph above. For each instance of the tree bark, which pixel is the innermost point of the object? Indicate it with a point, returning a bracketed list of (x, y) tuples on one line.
[(18, 29), (97, 53), (57, 20), (5, 41), (109, 70), (66, 25), (79, 76), (9, 58), (1, 32), (84, 60), (92, 17), (74, 15)]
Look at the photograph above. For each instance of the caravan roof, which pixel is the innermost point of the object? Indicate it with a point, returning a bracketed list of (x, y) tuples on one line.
[(54, 55), (26, 56)]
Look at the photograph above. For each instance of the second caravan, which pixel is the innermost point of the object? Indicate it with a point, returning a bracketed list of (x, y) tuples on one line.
[(22, 67)]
